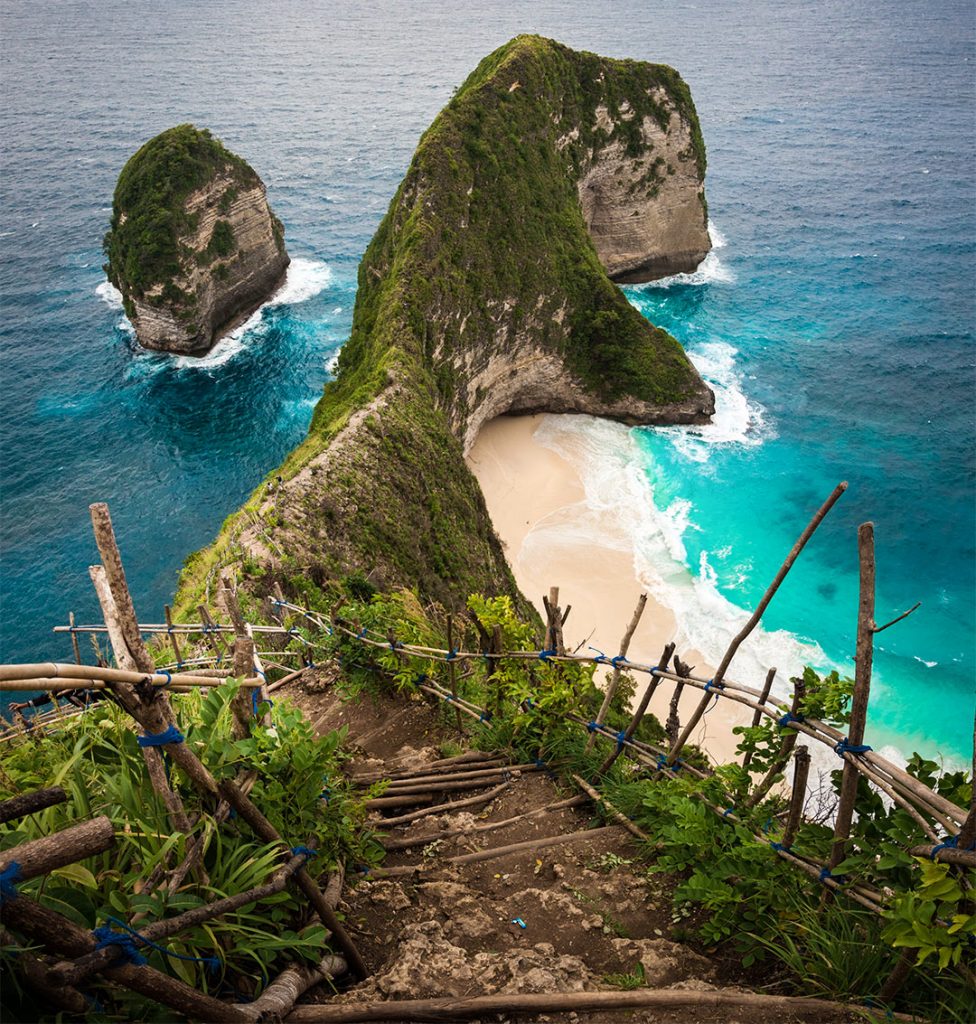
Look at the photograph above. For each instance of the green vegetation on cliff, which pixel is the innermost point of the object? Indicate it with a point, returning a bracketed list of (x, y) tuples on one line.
[(483, 255), (143, 245)]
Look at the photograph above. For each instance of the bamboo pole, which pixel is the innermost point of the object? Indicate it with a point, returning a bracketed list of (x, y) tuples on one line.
[(738, 1005), (462, 771), (243, 662), (29, 803), (382, 802), (863, 659), (785, 748), (639, 713), (61, 671), (401, 785), (611, 690)]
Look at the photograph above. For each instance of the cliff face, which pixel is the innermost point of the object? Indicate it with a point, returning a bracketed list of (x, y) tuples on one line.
[(484, 292), (194, 247)]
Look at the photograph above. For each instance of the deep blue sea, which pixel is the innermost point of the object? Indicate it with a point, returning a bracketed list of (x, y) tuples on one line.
[(836, 320)]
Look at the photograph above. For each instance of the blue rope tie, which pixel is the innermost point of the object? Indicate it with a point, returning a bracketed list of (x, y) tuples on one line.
[(160, 739), (304, 851), (421, 678), (529, 703), (449, 697), (592, 726), (127, 945), (621, 739), (8, 879), (728, 811), (789, 717), (395, 645), (451, 654), (163, 672), (255, 702), (846, 747), (361, 634), (712, 685), (601, 658), (825, 874), (485, 716), (617, 660), (949, 843), (130, 952), (546, 655), (662, 763), (779, 847)]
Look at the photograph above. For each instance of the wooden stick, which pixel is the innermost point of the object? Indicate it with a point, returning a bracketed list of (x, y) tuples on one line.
[(447, 771), (289, 678), (115, 575), (621, 819), (490, 826), (801, 771), (211, 633), (266, 831), (74, 638), (785, 748), (639, 713), (741, 1005), (447, 787), (948, 854), (452, 673), (498, 851), (611, 690), (41, 856), (382, 802), (64, 937), (29, 803), (172, 635), (777, 580), (293, 982), (863, 659), (243, 662), (72, 973), (447, 808), (757, 714), (398, 785)]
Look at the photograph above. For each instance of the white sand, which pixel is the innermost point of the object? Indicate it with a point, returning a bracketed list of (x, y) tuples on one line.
[(530, 490)]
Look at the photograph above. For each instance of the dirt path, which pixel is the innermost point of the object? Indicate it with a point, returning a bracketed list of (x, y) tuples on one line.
[(582, 915)]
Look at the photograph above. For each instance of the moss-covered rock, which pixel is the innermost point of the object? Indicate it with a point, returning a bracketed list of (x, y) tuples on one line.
[(482, 293), (193, 246)]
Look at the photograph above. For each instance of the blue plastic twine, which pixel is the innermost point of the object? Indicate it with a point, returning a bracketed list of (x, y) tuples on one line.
[(159, 739), (8, 879)]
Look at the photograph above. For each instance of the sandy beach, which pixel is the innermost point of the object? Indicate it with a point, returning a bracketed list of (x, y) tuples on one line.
[(536, 501)]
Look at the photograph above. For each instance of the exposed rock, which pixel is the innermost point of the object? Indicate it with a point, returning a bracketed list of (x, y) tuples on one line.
[(485, 291), (194, 247)]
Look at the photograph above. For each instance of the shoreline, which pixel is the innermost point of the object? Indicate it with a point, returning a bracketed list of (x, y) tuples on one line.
[(536, 501)]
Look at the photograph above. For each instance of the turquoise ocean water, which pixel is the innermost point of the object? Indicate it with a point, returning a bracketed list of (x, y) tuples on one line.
[(835, 320)]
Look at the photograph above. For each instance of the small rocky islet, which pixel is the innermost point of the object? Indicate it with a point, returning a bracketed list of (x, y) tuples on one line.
[(193, 245)]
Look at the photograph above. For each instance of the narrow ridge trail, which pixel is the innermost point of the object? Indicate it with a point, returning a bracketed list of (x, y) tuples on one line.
[(501, 879)]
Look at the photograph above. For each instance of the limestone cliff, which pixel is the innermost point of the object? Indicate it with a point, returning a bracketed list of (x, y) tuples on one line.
[(194, 247), (484, 292)]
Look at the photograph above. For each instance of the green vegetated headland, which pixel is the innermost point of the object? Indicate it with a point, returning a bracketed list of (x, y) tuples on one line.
[(480, 293)]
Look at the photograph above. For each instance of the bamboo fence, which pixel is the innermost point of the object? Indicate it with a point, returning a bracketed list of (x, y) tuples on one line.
[(141, 688)]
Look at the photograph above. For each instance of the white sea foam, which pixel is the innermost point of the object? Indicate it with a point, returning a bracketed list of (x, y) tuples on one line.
[(737, 420), (710, 270), (304, 279), (619, 509), (927, 664)]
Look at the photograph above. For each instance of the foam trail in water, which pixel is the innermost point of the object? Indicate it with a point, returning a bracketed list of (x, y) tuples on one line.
[(304, 279), (619, 510), (737, 419)]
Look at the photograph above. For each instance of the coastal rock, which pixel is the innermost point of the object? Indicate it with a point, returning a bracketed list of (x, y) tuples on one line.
[(485, 291), (194, 247)]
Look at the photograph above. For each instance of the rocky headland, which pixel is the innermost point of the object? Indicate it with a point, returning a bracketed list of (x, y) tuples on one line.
[(193, 246), (488, 290)]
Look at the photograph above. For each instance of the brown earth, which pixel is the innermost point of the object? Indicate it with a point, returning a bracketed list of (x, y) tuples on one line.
[(564, 918)]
